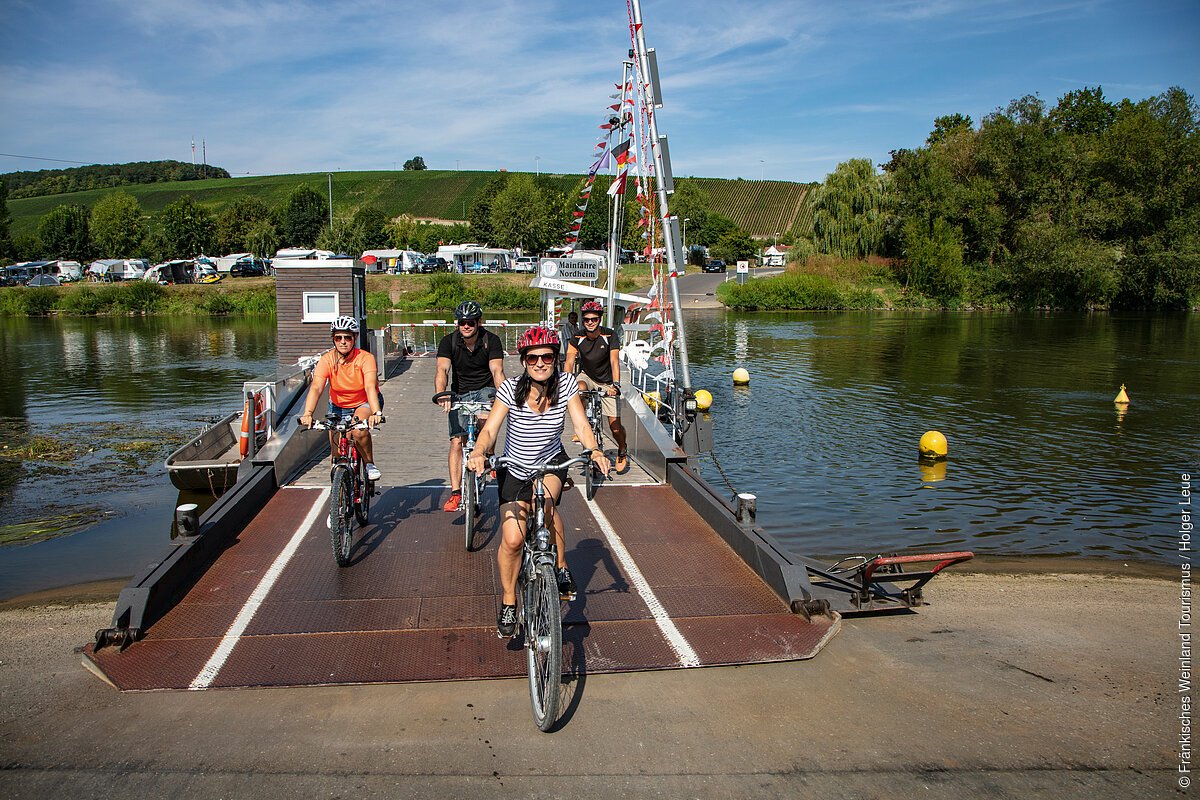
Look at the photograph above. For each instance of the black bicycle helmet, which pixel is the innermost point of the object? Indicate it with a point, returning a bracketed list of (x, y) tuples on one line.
[(468, 309)]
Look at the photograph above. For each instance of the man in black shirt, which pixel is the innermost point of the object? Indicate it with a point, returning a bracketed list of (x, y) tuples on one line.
[(476, 358), (598, 351)]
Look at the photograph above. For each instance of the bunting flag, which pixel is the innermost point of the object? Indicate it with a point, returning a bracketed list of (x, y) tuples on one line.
[(621, 152), (618, 185)]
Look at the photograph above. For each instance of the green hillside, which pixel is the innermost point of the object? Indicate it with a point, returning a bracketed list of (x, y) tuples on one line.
[(760, 207)]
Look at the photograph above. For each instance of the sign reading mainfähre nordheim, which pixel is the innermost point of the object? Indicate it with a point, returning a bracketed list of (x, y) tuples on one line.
[(570, 269)]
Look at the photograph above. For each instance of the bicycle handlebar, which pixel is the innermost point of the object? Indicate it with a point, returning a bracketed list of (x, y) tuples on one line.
[(584, 457), (331, 423), (470, 406)]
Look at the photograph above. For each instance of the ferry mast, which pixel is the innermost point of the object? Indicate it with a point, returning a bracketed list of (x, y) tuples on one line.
[(665, 183)]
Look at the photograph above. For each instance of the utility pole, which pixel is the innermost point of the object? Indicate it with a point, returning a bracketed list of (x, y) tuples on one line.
[(331, 202)]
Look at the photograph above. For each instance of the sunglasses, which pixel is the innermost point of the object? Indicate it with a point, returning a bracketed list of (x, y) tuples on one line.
[(343, 337), (468, 323), (591, 319), (546, 358)]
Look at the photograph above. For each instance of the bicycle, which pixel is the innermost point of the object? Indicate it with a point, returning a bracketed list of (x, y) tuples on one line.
[(537, 586), (472, 484), (350, 489), (593, 406)]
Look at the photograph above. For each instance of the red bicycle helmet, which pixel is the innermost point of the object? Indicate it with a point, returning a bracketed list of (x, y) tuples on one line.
[(537, 336), (592, 306)]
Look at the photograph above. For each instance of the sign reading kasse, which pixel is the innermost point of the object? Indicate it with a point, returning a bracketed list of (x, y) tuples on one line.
[(571, 269)]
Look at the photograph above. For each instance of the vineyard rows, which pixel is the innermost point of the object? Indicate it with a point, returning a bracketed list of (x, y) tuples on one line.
[(761, 208)]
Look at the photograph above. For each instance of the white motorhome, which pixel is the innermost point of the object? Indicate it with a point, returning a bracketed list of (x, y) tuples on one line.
[(470, 257), (67, 271)]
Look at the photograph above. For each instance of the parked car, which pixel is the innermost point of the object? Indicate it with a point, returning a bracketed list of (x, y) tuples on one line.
[(714, 265), (248, 268), (525, 264), (436, 264)]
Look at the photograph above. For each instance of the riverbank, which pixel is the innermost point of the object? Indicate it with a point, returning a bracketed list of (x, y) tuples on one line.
[(1007, 685), (439, 292)]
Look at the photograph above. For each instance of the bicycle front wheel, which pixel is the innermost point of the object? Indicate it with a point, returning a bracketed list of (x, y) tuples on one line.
[(470, 497), (543, 645), (362, 500), (341, 512)]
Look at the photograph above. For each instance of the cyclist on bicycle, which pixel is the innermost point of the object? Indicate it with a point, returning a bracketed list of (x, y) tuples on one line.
[(476, 357), (353, 388), (536, 404), (598, 351)]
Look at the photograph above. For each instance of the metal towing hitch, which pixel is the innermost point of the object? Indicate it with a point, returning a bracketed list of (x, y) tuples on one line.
[(879, 583)]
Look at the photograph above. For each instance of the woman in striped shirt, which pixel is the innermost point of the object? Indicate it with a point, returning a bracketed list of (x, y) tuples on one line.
[(536, 404)]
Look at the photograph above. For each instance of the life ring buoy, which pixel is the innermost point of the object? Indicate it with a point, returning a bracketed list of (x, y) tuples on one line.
[(260, 423)]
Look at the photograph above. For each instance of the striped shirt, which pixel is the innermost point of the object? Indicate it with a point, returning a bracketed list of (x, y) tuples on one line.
[(535, 438)]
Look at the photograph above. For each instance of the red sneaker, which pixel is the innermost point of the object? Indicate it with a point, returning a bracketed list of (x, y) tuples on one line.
[(453, 502)]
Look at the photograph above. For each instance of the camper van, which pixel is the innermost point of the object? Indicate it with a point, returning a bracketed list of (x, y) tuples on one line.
[(475, 258)]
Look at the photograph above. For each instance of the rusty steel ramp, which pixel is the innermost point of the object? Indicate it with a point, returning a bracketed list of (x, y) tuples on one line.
[(658, 589)]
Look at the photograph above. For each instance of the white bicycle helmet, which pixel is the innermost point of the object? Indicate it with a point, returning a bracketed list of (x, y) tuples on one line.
[(344, 324)]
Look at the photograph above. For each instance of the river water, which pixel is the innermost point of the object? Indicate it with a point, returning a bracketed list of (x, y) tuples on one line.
[(1041, 461)]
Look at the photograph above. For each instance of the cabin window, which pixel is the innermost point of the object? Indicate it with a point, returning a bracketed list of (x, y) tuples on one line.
[(320, 306)]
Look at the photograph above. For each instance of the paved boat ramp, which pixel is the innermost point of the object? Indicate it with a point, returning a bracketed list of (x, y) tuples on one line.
[(660, 586)]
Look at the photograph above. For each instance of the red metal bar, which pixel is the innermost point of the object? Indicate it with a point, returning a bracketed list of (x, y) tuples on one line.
[(945, 559)]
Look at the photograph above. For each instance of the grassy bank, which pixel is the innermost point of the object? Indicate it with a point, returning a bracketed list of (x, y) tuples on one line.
[(441, 292), (824, 284)]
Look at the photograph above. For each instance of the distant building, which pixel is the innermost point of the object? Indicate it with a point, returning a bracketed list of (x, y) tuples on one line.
[(775, 255)]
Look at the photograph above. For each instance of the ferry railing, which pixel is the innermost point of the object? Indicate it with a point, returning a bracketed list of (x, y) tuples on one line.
[(269, 400), (423, 338), (390, 349)]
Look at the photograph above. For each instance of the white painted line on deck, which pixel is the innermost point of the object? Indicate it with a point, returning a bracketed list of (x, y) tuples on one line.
[(210, 670), (683, 651)]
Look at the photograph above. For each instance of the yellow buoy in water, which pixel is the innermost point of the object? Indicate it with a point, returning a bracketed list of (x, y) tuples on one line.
[(933, 445), (703, 400), (1122, 399), (741, 377)]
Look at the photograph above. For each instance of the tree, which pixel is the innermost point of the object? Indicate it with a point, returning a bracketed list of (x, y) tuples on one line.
[(117, 226), (263, 239), (237, 220), (947, 126), (849, 210), (480, 215), (734, 246), (522, 216), (187, 229), (64, 233), (302, 216), (6, 244), (416, 162), (338, 239), (370, 229)]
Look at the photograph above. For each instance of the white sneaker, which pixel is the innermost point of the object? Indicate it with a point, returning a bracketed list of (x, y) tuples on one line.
[(373, 473)]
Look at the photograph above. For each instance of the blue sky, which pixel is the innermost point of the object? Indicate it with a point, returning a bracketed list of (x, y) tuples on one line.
[(781, 89)]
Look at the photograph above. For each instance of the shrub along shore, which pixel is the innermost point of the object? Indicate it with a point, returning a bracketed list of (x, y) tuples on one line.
[(821, 284), (440, 292)]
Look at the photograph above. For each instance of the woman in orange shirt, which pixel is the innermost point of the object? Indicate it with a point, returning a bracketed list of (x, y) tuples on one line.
[(353, 389)]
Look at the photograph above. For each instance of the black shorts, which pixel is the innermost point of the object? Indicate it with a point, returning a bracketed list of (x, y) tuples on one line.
[(513, 488)]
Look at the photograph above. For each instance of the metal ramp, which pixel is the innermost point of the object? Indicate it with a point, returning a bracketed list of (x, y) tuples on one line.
[(413, 605)]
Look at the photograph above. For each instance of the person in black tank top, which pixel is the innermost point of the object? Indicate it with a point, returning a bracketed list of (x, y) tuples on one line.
[(470, 363), (598, 352)]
